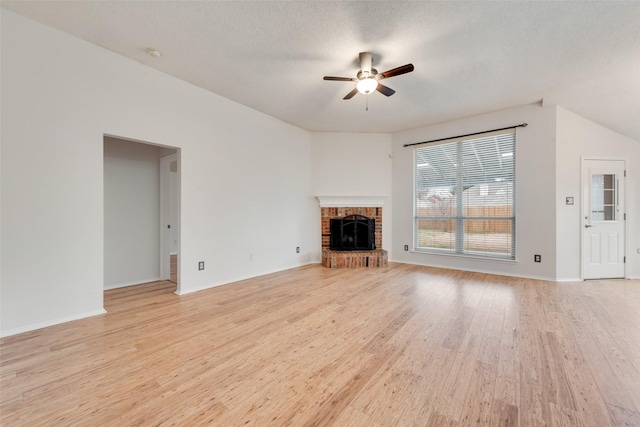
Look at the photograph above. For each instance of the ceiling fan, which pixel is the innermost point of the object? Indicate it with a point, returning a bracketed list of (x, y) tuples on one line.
[(368, 78)]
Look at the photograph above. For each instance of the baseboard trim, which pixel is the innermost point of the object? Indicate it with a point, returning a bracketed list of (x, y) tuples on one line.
[(132, 283), (53, 322), (497, 273), (239, 279)]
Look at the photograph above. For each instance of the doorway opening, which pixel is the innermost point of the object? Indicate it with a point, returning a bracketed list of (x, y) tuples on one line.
[(141, 203)]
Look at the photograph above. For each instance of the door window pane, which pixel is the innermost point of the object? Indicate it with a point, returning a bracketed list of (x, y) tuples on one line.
[(603, 197)]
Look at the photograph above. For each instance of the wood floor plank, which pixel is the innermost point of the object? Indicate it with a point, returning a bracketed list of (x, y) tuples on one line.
[(507, 387), (554, 377), (534, 396), (401, 345), (564, 417), (353, 417), (602, 354), (477, 406), (438, 420), (623, 417), (503, 414), (331, 408), (591, 405), (424, 401)]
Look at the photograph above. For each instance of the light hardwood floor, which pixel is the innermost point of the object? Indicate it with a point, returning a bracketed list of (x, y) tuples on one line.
[(396, 346)]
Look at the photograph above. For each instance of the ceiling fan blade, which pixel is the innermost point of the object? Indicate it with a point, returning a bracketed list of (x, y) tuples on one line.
[(396, 71), (351, 94), (365, 62), (340, 79), (387, 91)]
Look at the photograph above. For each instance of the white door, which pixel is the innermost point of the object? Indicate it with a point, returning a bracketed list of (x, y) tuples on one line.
[(603, 225)]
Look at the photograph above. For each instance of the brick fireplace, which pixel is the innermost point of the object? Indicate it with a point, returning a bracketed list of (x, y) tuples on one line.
[(340, 207)]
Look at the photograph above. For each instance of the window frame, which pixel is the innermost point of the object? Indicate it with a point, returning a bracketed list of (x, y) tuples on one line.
[(459, 217)]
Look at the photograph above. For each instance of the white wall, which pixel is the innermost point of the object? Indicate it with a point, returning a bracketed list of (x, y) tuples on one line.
[(131, 213), (352, 164), (578, 137), (535, 192), (245, 179)]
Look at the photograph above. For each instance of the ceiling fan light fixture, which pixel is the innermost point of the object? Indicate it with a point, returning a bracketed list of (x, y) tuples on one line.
[(368, 85)]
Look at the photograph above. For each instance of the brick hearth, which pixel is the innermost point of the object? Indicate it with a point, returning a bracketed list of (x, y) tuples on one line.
[(354, 259)]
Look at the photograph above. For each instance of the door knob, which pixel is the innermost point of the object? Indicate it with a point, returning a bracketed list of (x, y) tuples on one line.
[(588, 225)]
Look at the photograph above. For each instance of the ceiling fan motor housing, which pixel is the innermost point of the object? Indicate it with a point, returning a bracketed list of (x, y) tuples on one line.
[(362, 75)]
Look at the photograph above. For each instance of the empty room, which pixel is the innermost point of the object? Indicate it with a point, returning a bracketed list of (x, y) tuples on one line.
[(313, 213)]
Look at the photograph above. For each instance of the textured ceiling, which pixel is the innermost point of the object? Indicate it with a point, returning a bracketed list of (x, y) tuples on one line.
[(469, 57)]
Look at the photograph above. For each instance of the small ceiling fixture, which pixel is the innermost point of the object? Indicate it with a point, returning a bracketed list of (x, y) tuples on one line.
[(153, 52), (368, 79)]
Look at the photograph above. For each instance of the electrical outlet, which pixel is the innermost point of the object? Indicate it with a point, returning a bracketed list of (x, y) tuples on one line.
[(537, 258), (297, 249), (406, 247), (201, 265)]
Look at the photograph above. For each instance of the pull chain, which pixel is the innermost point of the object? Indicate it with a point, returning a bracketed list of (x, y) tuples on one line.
[(367, 103)]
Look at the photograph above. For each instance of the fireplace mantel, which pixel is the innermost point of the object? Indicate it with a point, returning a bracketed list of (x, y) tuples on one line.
[(350, 201)]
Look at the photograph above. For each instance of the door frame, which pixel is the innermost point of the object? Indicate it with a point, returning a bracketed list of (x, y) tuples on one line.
[(583, 160), (165, 247)]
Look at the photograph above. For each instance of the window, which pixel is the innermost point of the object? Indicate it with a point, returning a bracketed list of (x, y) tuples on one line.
[(604, 197), (464, 196)]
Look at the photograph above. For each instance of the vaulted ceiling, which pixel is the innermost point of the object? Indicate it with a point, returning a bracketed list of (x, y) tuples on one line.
[(469, 57)]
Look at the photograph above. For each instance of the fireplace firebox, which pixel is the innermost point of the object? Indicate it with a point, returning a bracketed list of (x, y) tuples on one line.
[(353, 233)]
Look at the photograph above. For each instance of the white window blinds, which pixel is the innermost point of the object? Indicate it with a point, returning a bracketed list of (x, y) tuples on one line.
[(464, 196)]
